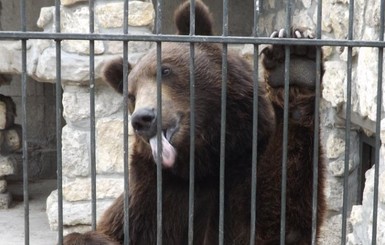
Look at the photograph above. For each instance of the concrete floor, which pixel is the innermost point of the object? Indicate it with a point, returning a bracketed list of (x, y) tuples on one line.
[(12, 219)]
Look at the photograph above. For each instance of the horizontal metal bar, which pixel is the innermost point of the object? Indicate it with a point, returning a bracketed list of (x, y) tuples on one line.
[(190, 39)]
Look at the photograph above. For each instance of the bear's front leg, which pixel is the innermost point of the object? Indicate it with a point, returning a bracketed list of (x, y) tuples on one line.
[(303, 75)]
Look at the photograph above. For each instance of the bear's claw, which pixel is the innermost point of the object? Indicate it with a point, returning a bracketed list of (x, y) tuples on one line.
[(296, 32), (302, 60)]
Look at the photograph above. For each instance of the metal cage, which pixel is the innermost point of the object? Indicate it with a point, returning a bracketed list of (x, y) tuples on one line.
[(23, 35)]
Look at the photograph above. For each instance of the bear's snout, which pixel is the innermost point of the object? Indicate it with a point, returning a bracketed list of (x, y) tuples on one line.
[(144, 122)]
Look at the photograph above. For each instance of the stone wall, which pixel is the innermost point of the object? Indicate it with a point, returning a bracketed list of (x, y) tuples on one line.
[(364, 105), (76, 105), (40, 104)]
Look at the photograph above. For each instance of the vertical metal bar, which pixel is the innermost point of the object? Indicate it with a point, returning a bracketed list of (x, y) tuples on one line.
[(59, 125), (316, 126), (223, 126), (255, 128), (192, 128), (125, 128), (359, 170), (347, 125), (158, 31), (24, 121), (285, 127), (378, 125), (92, 116)]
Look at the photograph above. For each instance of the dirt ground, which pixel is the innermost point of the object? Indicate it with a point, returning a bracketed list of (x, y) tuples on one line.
[(12, 219)]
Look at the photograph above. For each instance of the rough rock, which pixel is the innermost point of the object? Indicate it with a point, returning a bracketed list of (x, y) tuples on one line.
[(7, 165), (111, 15), (76, 104), (3, 185), (335, 146), (109, 156), (71, 211), (75, 152), (5, 200), (70, 2), (78, 22), (333, 82), (80, 189)]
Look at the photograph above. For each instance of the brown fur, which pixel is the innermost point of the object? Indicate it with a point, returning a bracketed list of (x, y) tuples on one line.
[(238, 157), (89, 238)]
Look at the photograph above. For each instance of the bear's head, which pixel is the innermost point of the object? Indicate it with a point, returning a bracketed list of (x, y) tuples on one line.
[(175, 100)]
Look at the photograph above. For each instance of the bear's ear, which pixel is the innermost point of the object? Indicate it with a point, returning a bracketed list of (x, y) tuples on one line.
[(203, 19), (113, 74)]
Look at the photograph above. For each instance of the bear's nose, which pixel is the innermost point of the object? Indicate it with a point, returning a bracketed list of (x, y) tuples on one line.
[(144, 122)]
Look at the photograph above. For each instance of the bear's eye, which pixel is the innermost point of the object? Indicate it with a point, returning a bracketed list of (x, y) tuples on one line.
[(165, 71)]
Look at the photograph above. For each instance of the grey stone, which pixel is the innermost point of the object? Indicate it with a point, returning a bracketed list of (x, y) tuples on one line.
[(110, 15), (109, 156), (333, 82), (7, 165), (75, 158), (366, 82), (46, 17), (76, 228), (133, 47), (333, 192), (361, 216), (331, 231), (337, 168), (3, 185), (74, 213), (5, 200), (76, 104), (74, 68), (70, 2), (78, 22), (80, 189), (335, 146)]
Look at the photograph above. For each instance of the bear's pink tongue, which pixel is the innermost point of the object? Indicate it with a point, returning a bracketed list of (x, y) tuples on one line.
[(168, 151)]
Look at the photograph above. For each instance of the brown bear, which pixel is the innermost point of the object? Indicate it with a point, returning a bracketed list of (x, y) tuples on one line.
[(175, 135)]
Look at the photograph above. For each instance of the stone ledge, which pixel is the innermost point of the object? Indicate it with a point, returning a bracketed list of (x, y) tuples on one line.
[(70, 2), (80, 189), (75, 213), (76, 228)]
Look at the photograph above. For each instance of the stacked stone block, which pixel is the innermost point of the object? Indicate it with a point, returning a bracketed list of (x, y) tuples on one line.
[(76, 104), (10, 141), (7, 167)]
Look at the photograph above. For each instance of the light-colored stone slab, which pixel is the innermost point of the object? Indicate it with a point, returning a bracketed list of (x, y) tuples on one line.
[(80, 189), (111, 15), (7, 165), (78, 22), (110, 153), (335, 146), (76, 161), (70, 2), (76, 213), (76, 104)]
